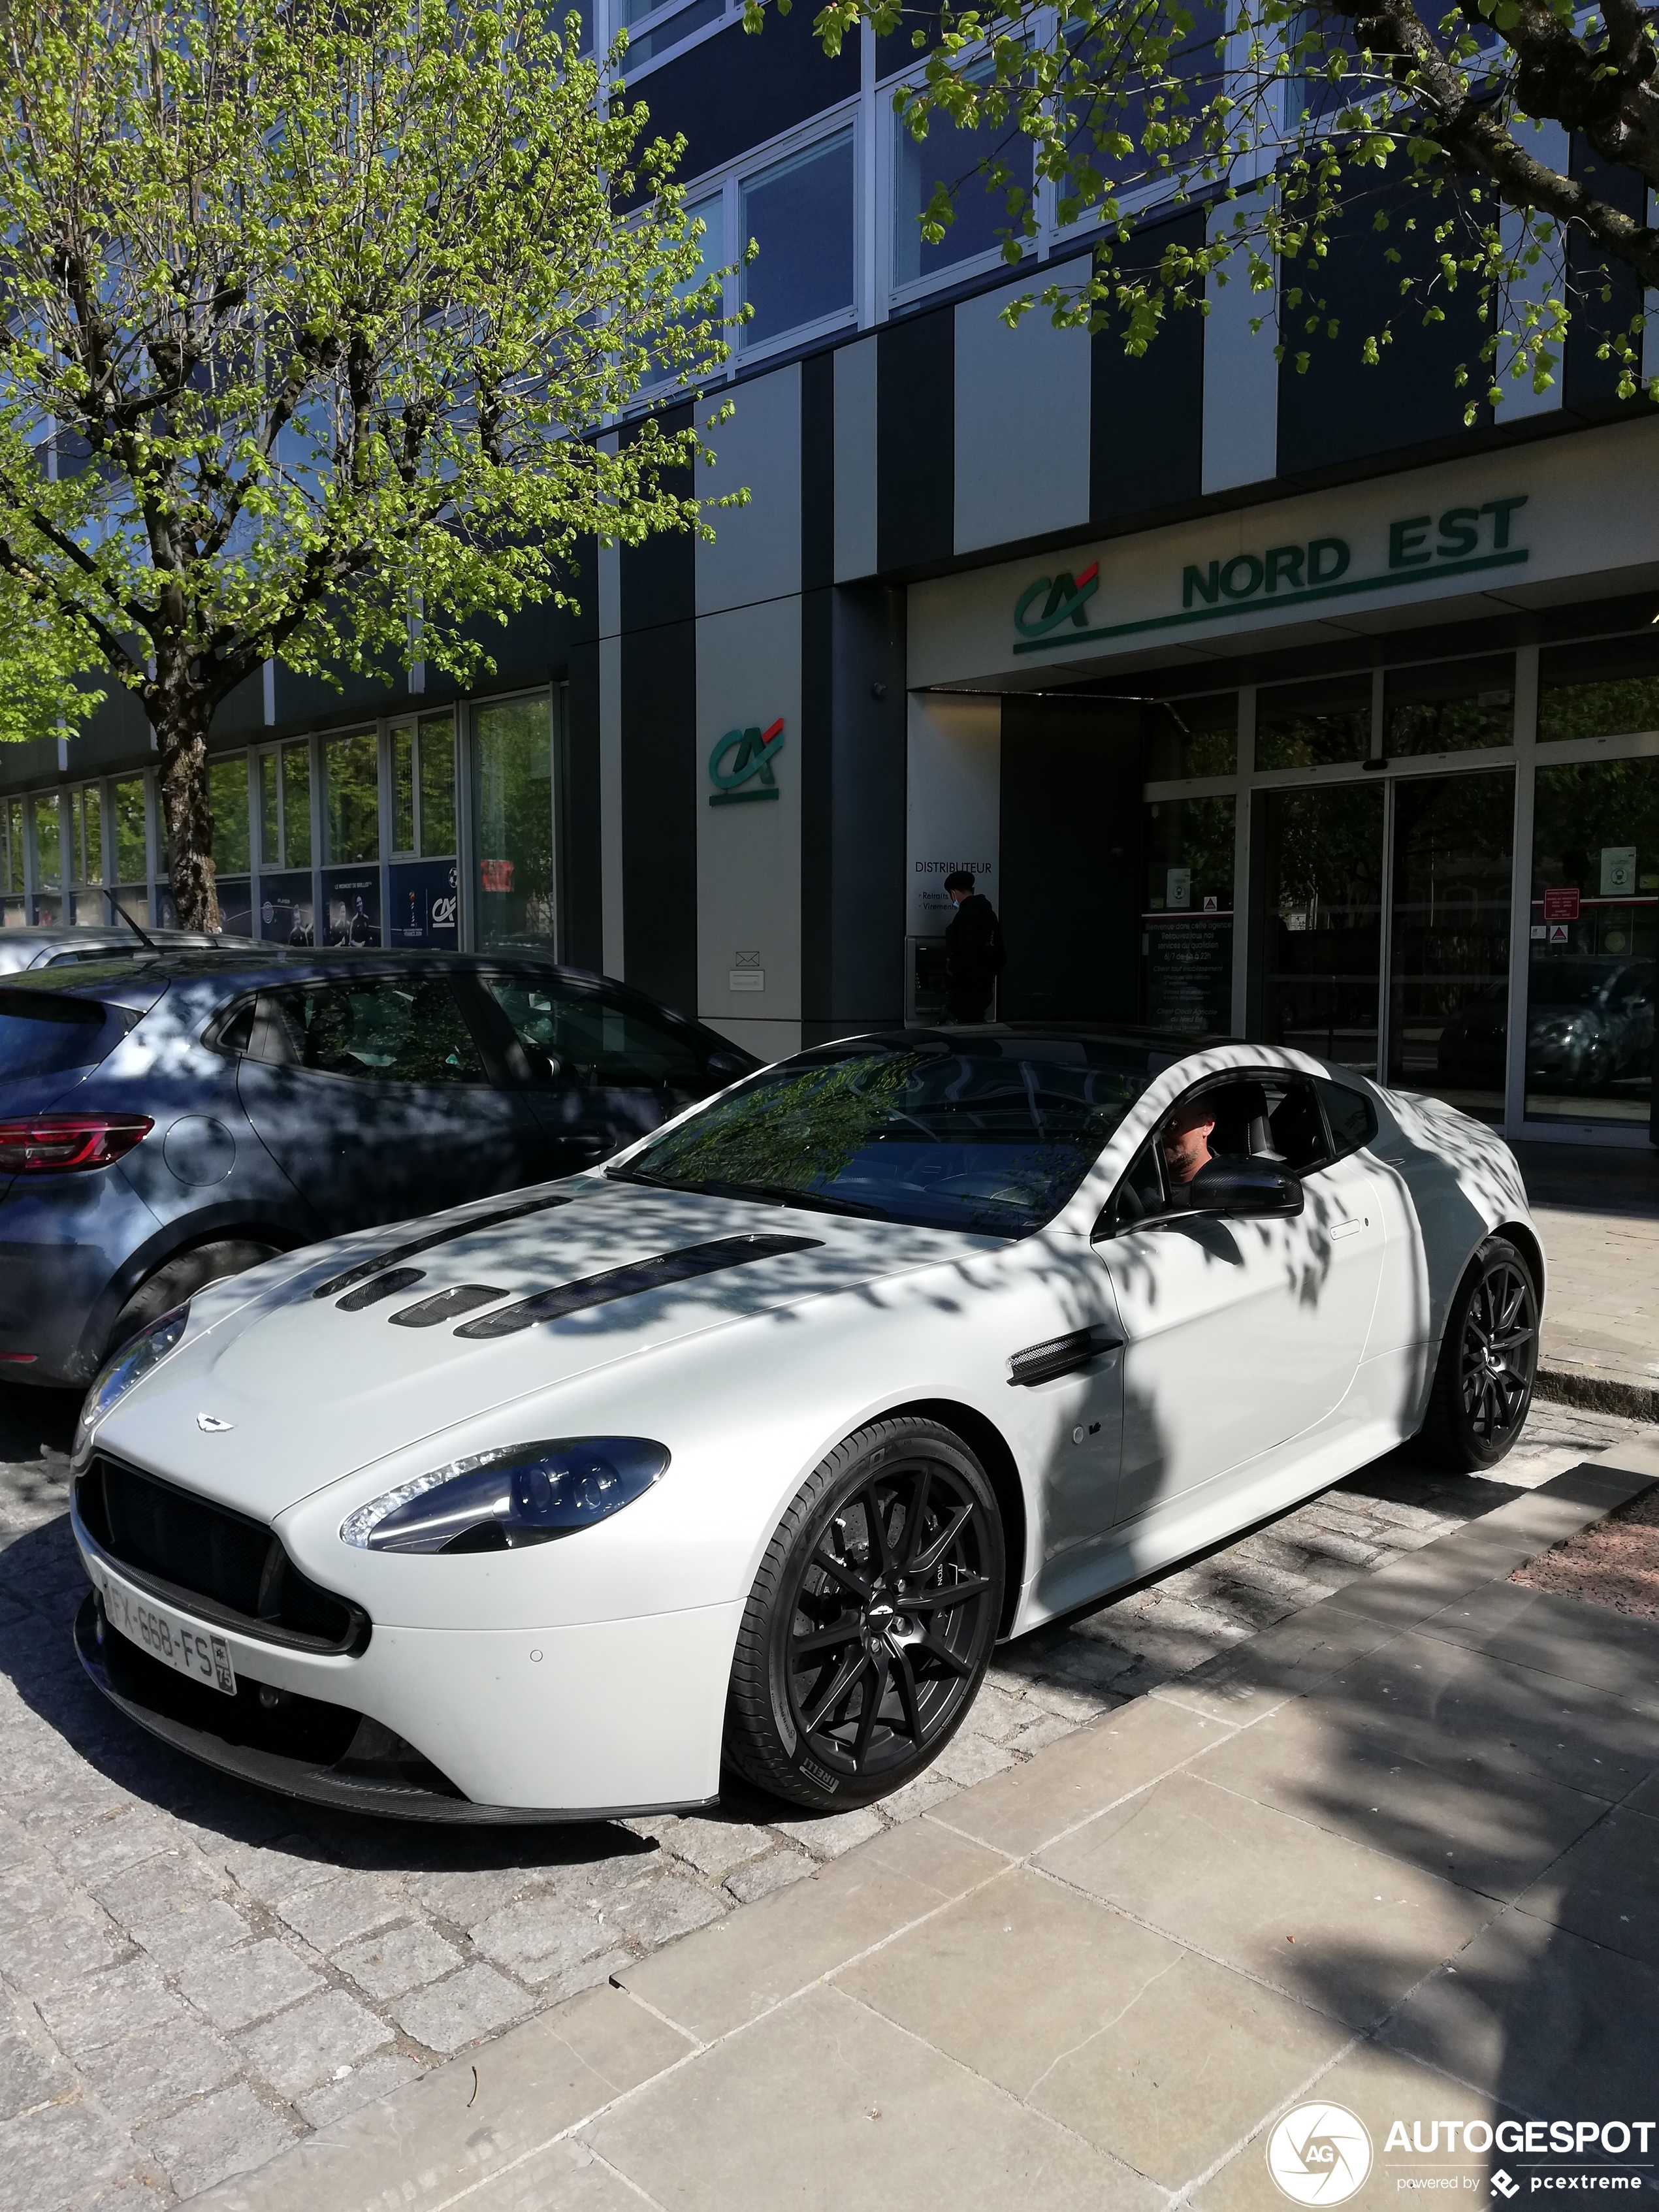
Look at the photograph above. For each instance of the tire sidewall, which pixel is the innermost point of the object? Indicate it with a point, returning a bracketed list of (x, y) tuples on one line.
[(901, 1442)]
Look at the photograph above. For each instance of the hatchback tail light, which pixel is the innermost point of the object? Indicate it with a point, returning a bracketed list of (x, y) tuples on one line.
[(59, 1143)]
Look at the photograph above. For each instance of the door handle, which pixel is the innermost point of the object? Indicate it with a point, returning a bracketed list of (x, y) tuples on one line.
[(1347, 1229), (1061, 1355)]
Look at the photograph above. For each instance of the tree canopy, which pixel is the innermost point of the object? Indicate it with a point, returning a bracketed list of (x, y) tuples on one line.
[(1530, 128), (312, 309)]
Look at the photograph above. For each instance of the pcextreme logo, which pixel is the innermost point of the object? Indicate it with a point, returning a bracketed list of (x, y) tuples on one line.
[(1319, 2155), (751, 764), (1068, 596)]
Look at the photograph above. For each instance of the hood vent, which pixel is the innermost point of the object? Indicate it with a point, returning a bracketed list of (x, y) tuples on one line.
[(365, 1268), (448, 1305), (628, 1282), (381, 1286)]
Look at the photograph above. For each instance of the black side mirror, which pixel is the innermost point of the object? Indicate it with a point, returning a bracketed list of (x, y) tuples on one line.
[(1245, 1186), (726, 1067)]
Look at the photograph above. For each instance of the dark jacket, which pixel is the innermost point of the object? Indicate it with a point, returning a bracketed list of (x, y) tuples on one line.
[(974, 954)]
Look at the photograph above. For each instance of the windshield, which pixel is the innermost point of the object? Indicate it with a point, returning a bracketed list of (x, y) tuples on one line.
[(990, 1135), (1580, 983)]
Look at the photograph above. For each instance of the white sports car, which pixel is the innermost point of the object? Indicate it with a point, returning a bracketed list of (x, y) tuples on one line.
[(747, 1447)]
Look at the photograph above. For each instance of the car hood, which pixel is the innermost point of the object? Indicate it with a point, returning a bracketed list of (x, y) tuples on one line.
[(312, 1391)]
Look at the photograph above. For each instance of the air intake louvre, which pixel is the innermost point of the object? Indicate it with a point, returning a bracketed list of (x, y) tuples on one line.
[(397, 1253), (639, 1276)]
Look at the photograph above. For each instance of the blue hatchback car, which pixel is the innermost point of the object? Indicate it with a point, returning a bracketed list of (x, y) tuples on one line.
[(168, 1122)]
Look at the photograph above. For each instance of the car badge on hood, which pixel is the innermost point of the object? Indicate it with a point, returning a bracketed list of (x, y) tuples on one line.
[(211, 1425)]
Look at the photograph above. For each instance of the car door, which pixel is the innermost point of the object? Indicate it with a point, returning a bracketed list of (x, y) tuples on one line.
[(600, 1069), (1240, 1334), (374, 1096)]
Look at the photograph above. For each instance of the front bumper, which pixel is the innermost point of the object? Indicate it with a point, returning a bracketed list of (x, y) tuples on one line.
[(589, 1722)]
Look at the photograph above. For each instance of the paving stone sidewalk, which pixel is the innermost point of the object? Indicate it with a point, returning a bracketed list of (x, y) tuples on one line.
[(196, 1974)]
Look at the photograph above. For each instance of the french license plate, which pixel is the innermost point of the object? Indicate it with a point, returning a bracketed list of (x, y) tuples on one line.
[(165, 1635)]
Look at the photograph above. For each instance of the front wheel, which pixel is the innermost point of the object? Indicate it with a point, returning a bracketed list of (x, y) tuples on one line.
[(871, 1623), (1488, 1360)]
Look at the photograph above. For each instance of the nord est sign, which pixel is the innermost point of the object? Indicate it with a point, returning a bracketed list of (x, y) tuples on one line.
[(1458, 541)]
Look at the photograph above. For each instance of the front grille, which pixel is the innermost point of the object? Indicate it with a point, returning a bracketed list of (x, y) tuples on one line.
[(221, 1565)]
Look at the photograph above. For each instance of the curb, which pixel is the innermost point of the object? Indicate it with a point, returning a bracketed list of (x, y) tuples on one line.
[(1597, 1393)]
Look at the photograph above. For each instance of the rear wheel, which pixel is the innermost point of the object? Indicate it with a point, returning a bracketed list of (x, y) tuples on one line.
[(871, 1623), (180, 1279), (1488, 1360)]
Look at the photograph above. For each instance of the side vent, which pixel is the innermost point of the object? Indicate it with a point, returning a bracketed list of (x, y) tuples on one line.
[(630, 1282), (1061, 1355)]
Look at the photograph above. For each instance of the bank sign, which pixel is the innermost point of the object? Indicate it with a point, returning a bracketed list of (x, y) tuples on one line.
[(1063, 609)]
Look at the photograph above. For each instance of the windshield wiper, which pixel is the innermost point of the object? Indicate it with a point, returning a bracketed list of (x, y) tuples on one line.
[(781, 1194)]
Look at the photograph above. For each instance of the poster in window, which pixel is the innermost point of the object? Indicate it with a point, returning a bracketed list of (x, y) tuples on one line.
[(286, 913), (425, 909), (351, 904), (1189, 973)]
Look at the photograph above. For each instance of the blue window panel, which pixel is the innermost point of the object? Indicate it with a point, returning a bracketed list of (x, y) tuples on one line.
[(799, 213), (958, 159)]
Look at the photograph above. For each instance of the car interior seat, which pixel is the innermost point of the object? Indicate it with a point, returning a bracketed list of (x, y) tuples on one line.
[(1297, 1131), (1242, 1130)]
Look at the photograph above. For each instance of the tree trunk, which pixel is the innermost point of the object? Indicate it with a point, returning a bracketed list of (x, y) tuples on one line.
[(181, 737)]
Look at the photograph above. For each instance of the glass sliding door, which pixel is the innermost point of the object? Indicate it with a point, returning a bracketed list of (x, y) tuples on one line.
[(1448, 950), (1318, 870), (1594, 937), (1187, 922)]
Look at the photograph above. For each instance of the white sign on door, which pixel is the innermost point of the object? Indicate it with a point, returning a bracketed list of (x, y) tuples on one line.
[(1618, 870)]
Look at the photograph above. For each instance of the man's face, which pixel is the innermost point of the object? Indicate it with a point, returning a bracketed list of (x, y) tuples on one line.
[(958, 892), (1187, 1136)]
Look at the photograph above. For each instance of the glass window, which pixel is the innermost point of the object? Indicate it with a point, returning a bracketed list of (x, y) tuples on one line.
[(42, 1036), (513, 807), (711, 256), (593, 1039), (1594, 940), (437, 747), (11, 846), (285, 807), (799, 213), (1309, 724), (1187, 924), (403, 787), (1451, 707), (1319, 933), (48, 842), (380, 1031), (87, 832), (351, 798), (989, 1135), (1171, 114), (1450, 951), (131, 847), (1351, 1114), (960, 160), (1608, 689), (1193, 737), (672, 31), (228, 796)]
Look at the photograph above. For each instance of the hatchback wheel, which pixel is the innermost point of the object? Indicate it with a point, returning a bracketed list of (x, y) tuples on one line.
[(871, 1623), (180, 1279), (1488, 1360)]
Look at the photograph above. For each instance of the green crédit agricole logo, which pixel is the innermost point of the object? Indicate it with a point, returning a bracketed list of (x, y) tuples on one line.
[(1064, 598), (751, 764)]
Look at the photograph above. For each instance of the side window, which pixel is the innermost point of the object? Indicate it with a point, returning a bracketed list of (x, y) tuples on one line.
[(1351, 1114), (1295, 1125), (407, 1031), (595, 1040), (1140, 1196)]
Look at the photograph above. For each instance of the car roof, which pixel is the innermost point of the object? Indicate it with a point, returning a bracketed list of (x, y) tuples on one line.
[(1178, 1044)]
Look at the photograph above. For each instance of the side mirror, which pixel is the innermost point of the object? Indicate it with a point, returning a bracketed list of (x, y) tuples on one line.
[(1246, 1187), (726, 1067)]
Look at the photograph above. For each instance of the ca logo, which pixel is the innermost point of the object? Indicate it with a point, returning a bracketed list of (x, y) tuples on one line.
[(752, 753), (1067, 597), (1319, 2155)]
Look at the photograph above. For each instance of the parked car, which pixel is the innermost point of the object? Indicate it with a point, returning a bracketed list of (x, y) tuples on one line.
[(58, 944), (747, 1447), (168, 1121), (1589, 1020)]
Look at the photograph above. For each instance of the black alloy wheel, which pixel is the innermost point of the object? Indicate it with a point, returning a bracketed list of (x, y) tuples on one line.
[(871, 1623), (1488, 1360)]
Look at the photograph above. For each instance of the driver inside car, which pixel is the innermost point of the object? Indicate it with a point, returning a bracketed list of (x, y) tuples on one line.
[(1186, 1142)]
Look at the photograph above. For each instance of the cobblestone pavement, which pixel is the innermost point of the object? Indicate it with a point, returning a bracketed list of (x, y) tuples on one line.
[(193, 1974)]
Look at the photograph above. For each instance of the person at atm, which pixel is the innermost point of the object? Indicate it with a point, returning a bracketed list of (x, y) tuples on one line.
[(974, 954)]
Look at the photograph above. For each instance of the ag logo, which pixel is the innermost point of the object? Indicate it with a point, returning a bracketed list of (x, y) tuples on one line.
[(1067, 598), (745, 756), (1319, 2155)]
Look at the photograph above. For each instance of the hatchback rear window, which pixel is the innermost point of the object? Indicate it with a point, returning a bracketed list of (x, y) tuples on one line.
[(42, 1036)]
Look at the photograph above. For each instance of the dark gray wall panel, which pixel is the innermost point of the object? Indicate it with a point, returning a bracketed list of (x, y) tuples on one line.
[(916, 440), (659, 578), (1340, 411), (660, 799), (1588, 385), (1070, 861), (853, 714), (817, 470), (1147, 415)]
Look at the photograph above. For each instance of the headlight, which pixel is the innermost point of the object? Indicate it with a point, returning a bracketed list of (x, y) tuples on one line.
[(518, 1494), (125, 1367)]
